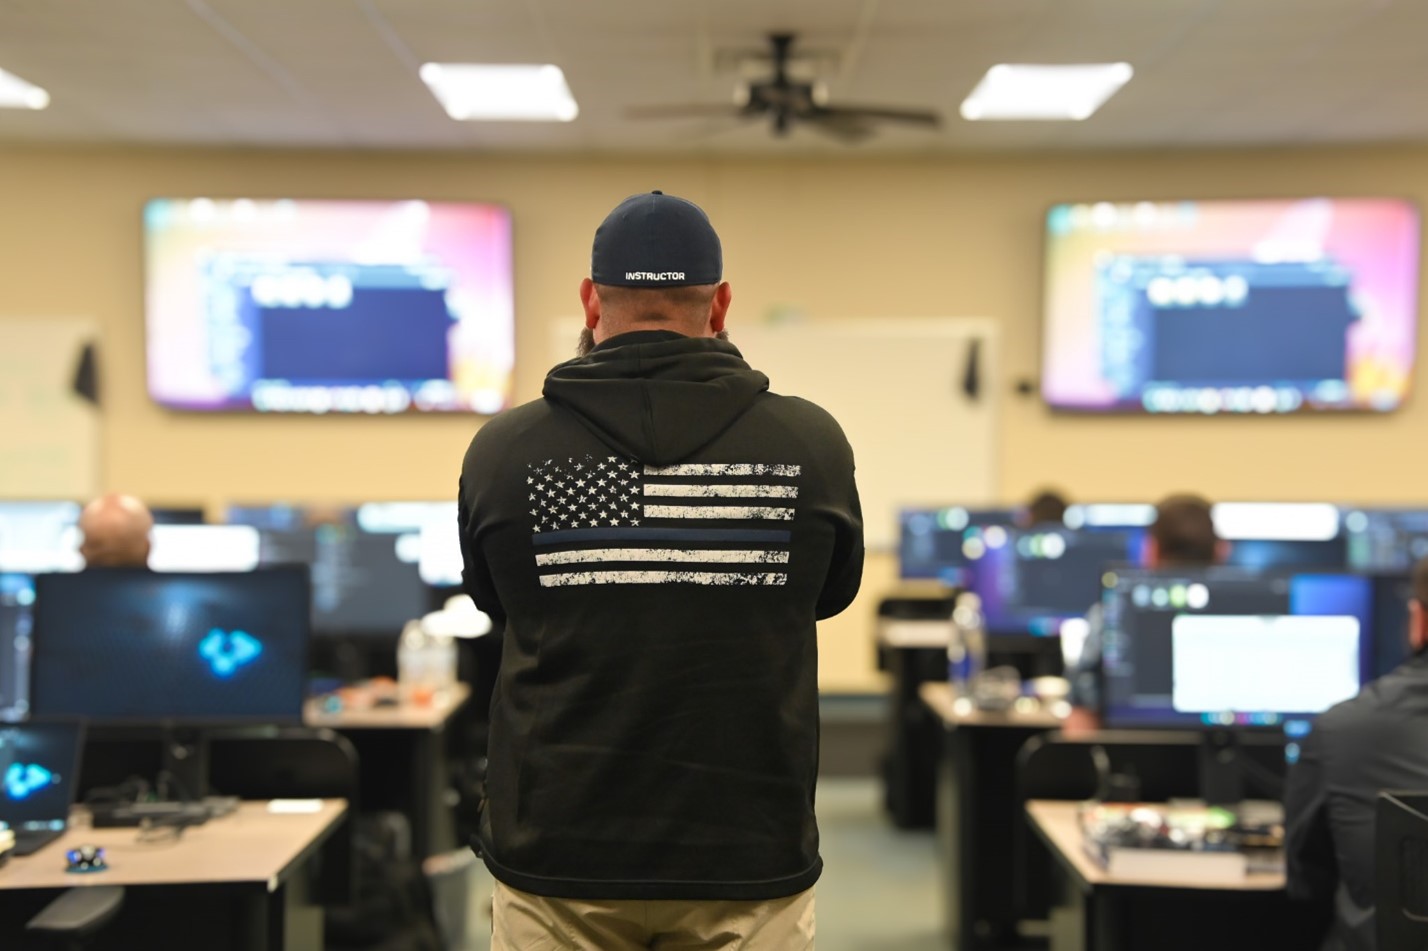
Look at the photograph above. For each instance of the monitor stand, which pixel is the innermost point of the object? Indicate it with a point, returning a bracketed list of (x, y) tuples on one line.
[(185, 764), (1222, 773)]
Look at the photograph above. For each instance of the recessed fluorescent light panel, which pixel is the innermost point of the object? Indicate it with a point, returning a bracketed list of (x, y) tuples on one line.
[(1045, 92), (482, 93), (15, 93)]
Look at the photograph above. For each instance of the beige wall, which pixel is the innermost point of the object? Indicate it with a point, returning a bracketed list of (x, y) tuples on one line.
[(835, 238)]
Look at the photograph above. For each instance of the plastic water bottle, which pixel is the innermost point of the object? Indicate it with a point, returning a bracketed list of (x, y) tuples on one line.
[(415, 676), (441, 661), (967, 645)]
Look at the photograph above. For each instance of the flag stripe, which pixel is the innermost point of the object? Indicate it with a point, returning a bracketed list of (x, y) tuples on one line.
[(718, 511), (724, 469), (661, 535), (663, 577), (721, 490), (713, 555)]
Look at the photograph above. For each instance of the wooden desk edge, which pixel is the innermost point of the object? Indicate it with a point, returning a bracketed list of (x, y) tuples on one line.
[(314, 844), (1055, 823), (51, 875)]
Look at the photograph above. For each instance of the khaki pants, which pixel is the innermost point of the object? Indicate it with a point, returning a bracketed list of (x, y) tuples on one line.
[(524, 922)]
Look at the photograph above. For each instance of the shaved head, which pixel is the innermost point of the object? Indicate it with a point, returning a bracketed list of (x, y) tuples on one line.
[(116, 532)]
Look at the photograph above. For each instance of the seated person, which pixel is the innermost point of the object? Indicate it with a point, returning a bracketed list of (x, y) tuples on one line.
[(116, 532), (1183, 534), (1376, 741), (1047, 507)]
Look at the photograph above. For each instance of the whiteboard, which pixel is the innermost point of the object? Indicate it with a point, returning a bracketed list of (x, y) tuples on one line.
[(896, 387), (49, 434)]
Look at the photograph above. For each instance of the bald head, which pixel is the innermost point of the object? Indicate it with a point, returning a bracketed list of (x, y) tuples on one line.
[(116, 532)]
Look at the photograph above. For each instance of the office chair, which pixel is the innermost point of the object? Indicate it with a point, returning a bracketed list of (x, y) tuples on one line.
[(271, 762), (1401, 860), (71, 919)]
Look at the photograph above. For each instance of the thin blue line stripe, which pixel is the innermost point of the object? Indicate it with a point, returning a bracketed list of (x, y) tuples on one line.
[(660, 535)]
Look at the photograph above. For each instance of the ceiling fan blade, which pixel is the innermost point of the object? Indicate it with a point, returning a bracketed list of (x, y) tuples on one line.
[(882, 114), (713, 129), (844, 128), (688, 110)]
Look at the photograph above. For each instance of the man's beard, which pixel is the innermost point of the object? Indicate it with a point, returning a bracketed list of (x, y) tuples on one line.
[(587, 340)]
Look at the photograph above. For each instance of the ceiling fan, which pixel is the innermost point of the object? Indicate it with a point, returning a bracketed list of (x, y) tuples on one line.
[(787, 102)]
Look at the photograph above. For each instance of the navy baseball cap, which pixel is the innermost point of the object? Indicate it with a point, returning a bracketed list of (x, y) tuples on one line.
[(656, 240)]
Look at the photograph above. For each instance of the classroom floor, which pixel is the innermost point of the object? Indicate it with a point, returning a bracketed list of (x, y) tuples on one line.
[(879, 888)]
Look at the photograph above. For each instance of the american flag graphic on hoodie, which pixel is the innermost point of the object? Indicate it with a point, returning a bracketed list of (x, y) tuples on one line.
[(612, 520)]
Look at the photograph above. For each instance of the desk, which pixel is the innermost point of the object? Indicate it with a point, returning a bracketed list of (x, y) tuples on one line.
[(976, 810), (245, 877), (403, 762), (913, 653), (1096, 911)]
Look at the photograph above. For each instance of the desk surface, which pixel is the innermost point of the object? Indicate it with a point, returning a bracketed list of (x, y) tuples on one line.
[(938, 696), (250, 846), (405, 716), (1058, 826)]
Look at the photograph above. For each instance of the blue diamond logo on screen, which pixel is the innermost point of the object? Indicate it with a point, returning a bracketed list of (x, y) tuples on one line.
[(226, 652), (22, 781)]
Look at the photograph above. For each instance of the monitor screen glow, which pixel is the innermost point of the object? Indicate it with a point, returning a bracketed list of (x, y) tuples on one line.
[(1241, 307), (329, 306)]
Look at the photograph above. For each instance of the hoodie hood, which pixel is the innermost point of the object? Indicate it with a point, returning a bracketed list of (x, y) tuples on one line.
[(655, 395)]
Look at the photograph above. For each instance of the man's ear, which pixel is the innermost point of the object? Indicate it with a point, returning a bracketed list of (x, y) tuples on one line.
[(1223, 550), (719, 306), (1417, 626), (1150, 553), (590, 301)]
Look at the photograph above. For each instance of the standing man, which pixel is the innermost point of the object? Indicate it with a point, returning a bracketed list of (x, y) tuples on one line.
[(1356, 749), (660, 533)]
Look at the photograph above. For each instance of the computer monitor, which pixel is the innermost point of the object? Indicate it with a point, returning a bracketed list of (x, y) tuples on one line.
[(1391, 594), (1219, 647), (366, 578), (39, 536), (204, 548), (17, 598), (178, 514), (1111, 516), (943, 544), (39, 773), (1033, 580), (1281, 534), (1386, 539), (128, 646)]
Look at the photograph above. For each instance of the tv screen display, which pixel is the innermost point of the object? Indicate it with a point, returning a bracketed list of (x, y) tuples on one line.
[(1248, 307), (329, 306)]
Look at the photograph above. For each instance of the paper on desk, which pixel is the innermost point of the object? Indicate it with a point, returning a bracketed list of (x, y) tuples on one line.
[(295, 806)]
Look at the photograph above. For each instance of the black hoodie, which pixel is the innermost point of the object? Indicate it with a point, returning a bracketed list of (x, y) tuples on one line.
[(660, 534)]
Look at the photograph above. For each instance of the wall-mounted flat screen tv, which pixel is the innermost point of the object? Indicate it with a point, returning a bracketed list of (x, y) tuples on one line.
[(289, 306), (1248, 307)]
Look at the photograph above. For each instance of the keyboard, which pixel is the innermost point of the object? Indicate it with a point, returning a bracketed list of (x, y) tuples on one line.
[(28, 842), (119, 815)]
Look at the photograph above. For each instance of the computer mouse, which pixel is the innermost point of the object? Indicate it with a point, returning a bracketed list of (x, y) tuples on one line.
[(84, 859)]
